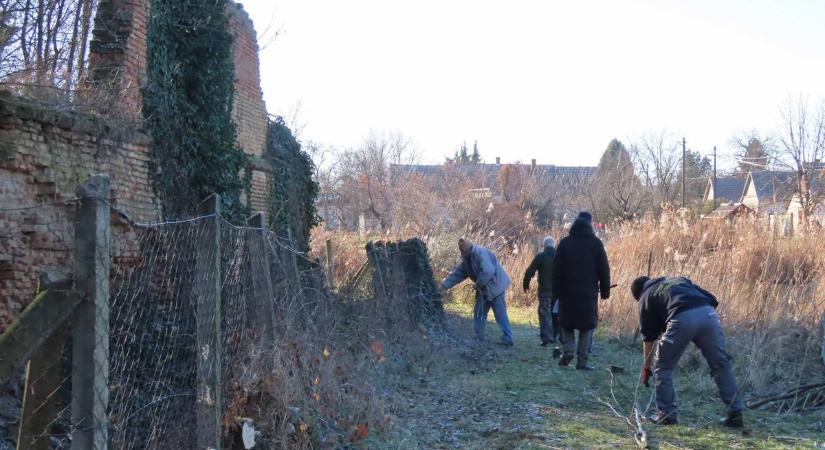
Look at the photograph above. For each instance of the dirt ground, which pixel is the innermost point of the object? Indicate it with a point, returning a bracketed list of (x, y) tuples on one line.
[(467, 395)]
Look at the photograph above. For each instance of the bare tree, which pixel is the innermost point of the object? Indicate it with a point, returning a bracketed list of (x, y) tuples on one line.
[(659, 159), (615, 191), (801, 147), (44, 43), (364, 181)]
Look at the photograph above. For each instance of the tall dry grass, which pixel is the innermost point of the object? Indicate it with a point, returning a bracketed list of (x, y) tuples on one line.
[(770, 289)]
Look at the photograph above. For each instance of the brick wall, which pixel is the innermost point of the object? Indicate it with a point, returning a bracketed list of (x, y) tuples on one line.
[(249, 110), (117, 54), (117, 63), (44, 155)]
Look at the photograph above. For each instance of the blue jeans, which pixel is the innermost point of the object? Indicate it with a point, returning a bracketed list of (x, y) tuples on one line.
[(482, 310)]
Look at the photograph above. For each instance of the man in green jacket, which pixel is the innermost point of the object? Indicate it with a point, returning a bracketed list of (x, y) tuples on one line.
[(543, 264)]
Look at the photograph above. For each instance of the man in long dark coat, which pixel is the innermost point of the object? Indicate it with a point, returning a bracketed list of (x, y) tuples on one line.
[(580, 274)]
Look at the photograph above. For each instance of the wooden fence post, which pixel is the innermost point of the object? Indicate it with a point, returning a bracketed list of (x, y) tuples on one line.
[(262, 311), (208, 319), (330, 266), (43, 373), (90, 330)]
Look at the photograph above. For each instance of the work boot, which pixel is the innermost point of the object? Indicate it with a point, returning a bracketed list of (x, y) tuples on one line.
[(545, 343), (565, 360), (556, 352), (585, 367), (664, 418), (733, 419)]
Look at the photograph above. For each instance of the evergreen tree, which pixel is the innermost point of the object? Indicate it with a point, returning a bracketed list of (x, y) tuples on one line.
[(698, 170), (476, 157), (753, 155)]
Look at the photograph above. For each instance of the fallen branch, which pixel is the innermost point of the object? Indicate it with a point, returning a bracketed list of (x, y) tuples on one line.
[(784, 396)]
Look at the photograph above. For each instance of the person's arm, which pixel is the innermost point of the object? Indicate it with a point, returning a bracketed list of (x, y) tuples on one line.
[(558, 262), (530, 272), (603, 269), (486, 269), (649, 347), (458, 275)]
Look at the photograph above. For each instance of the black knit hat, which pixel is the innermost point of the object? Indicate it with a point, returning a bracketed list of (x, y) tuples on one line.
[(586, 216), (638, 286)]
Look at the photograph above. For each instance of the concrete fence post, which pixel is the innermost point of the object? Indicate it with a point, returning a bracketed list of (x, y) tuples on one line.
[(262, 312), (208, 326), (90, 330), (293, 253), (330, 266)]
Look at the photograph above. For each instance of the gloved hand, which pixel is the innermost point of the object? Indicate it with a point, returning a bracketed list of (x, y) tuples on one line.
[(646, 374)]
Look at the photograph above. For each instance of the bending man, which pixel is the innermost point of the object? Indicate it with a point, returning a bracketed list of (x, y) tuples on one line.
[(491, 281), (681, 312)]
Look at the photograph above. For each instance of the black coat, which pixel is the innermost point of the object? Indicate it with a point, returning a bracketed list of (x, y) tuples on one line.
[(543, 264), (580, 272)]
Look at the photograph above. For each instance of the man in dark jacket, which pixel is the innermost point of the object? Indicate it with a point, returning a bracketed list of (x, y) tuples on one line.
[(543, 264), (580, 273), (681, 312)]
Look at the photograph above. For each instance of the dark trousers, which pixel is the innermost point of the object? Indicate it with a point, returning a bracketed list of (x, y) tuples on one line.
[(700, 326), (548, 322), (568, 338)]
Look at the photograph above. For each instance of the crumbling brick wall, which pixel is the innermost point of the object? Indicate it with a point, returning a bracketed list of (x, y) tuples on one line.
[(44, 155), (117, 62)]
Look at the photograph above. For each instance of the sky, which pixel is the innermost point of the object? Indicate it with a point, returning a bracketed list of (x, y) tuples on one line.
[(550, 80)]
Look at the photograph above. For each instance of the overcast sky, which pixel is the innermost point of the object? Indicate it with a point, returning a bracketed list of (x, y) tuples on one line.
[(551, 80)]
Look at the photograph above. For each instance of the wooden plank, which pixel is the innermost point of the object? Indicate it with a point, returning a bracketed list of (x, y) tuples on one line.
[(43, 316), (39, 397), (208, 318), (90, 330)]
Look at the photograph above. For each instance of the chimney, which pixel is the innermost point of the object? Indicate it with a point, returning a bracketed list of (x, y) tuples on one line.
[(498, 160), (533, 163)]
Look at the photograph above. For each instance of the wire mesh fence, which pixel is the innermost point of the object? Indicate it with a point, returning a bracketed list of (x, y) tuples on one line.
[(159, 332), (189, 300)]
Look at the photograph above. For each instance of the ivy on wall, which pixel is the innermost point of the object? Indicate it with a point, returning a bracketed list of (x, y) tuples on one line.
[(187, 108), (292, 190)]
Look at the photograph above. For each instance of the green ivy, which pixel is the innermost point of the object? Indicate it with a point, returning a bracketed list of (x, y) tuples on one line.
[(187, 105), (292, 190)]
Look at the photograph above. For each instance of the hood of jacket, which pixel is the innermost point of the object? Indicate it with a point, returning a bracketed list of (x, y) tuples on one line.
[(582, 227)]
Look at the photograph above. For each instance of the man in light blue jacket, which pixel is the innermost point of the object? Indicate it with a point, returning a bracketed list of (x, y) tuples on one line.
[(491, 281)]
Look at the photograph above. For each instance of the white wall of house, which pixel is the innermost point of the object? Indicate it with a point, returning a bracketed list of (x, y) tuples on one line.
[(750, 199)]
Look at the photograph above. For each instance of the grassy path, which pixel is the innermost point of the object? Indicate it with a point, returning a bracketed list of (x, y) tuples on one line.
[(476, 396)]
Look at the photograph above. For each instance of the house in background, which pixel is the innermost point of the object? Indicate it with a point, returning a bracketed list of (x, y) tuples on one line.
[(730, 212), (769, 191), (727, 190)]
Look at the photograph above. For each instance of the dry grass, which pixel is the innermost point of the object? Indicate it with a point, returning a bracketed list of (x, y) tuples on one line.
[(769, 288)]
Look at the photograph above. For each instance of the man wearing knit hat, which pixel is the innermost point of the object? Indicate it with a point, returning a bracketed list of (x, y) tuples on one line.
[(681, 312), (543, 264)]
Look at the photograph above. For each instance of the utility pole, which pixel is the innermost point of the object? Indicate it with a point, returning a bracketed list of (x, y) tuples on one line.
[(684, 173), (714, 177)]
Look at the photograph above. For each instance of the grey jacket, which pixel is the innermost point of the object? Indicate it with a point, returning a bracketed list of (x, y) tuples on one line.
[(484, 269)]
